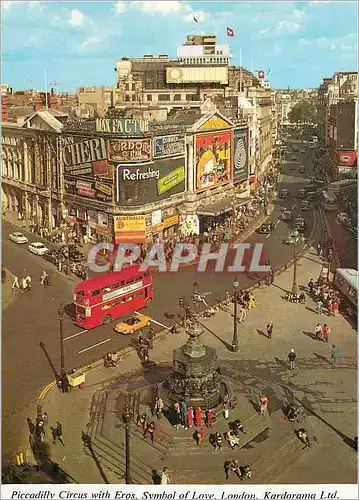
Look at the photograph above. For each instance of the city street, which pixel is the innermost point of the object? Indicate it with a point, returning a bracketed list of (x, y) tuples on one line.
[(33, 317)]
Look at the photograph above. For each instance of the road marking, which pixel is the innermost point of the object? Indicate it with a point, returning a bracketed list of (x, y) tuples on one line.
[(154, 321), (267, 235), (46, 389), (95, 345), (75, 335)]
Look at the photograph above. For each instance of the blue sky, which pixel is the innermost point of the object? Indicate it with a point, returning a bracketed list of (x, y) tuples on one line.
[(79, 42)]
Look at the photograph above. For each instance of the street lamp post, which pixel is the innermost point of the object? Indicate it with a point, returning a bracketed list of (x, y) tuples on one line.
[(127, 417), (235, 324), (295, 284), (62, 354)]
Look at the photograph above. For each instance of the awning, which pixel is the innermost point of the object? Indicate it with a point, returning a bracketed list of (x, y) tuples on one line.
[(221, 207)]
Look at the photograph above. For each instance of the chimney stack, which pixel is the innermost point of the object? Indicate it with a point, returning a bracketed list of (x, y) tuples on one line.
[(4, 109), (53, 102), (37, 103)]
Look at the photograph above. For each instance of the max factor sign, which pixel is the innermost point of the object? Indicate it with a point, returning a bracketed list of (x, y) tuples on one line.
[(121, 126), (82, 152)]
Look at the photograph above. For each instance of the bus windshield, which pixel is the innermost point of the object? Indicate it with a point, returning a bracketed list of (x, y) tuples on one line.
[(100, 300)]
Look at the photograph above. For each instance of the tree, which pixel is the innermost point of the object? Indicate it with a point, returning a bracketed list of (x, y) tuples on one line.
[(302, 112)]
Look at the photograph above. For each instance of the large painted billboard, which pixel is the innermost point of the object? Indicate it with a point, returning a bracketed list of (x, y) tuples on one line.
[(213, 159), (150, 182), (240, 170)]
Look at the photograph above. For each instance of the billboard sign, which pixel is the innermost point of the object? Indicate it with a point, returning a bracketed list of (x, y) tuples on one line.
[(131, 150), (149, 182), (82, 151), (129, 228), (213, 159), (121, 126), (240, 171), (89, 188), (168, 145)]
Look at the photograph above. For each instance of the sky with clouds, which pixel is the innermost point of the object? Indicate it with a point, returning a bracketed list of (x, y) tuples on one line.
[(79, 42)]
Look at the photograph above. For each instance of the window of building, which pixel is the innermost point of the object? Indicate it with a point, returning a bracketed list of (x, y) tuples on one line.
[(164, 97), (190, 97), (133, 97), (149, 97), (177, 97), (127, 98)]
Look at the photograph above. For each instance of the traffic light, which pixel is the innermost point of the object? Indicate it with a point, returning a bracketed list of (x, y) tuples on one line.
[(181, 302)]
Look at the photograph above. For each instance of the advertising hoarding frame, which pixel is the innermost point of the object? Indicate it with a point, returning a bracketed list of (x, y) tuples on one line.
[(212, 134), (240, 134), (181, 139), (118, 166)]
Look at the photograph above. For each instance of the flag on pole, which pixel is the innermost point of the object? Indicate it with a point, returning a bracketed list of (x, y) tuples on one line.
[(230, 32), (195, 20)]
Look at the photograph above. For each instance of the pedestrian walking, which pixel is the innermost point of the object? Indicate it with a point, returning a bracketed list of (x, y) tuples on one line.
[(57, 433), (177, 415), (15, 283), (150, 429), (318, 332), (209, 418), (264, 401), (217, 441), (242, 314), (319, 307), (311, 285), (334, 355), (232, 466), (199, 435), (159, 405), (190, 416), (198, 415), (164, 476), (184, 414), (291, 358), (269, 330), (326, 332)]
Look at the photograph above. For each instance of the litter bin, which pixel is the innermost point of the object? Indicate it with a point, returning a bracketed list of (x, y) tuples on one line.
[(76, 379)]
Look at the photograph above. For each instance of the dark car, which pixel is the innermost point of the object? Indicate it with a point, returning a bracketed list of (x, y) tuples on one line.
[(52, 256), (299, 224), (266, 228)]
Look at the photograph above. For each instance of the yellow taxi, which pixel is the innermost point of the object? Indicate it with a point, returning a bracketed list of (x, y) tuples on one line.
[(133, 324)]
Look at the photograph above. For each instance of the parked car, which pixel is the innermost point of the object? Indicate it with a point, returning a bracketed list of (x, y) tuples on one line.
[(18, 238), (311, 195), (287, 215), (294, 158), (283, 193), (266, 228), (52, 256), (305, 206), (74, 253), (299, 224), (38, 248), (133, 324)]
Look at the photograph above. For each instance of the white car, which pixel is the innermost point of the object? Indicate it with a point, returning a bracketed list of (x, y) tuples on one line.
[(18, 238), (38, 248), (287, 215)]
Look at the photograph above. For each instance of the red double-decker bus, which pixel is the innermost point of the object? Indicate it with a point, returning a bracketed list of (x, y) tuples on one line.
[(100, 300)]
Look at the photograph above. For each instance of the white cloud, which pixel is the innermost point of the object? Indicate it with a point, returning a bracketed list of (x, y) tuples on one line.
[(287, 27), (77, 18), (120, 7), (162, 7), (341, 44), (277, 49)]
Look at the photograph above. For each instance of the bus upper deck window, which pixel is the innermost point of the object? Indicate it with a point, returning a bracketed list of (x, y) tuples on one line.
[(95, 292)]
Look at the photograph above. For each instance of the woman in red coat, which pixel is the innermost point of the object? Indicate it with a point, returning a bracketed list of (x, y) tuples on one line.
[(190, 416), (209, 418), (198, 415)]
